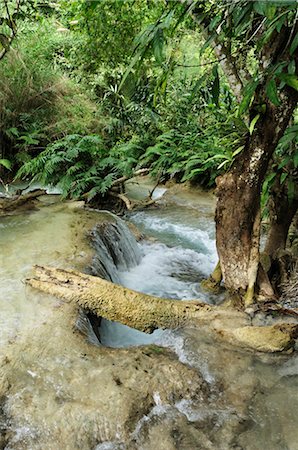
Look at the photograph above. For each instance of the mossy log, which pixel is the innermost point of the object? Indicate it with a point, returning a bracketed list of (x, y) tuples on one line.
[(8, 204), (147, 313)]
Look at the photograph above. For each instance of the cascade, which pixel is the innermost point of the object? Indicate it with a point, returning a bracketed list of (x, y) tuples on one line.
[(116, 250)]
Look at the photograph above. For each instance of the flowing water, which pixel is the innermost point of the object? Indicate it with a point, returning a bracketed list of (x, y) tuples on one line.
[(253, 394)]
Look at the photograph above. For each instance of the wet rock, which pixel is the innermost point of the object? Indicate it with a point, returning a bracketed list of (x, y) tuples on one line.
[(273, 338), (82, 395)]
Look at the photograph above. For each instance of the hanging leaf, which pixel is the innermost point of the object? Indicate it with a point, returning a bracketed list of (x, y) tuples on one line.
[(259, 7), (5, 163), (157, 45), (197, 86), (283, 177), (248, 95), (215, 86), (214, 22), (294, 44), (270, 10), (253, 123), (292, 67), (271, 91), (237, 151), (289, 79), (223, 164)]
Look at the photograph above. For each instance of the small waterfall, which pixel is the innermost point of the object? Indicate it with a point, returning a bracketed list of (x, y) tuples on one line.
[(116, 250)]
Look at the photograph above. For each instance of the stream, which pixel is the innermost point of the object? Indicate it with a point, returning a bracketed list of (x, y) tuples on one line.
[(57, 392)]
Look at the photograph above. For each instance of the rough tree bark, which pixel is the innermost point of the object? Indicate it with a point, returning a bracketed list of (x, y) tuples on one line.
[(147, 313), (238, 191), (282, 211)]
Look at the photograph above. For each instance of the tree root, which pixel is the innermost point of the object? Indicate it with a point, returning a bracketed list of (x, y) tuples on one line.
[(8, 204), (212, 284)]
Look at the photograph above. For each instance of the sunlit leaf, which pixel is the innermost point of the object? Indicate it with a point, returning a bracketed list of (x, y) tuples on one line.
[(6, 163), (253, 123)]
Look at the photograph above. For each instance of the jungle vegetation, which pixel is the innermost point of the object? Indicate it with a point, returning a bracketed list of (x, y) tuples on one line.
[(198, 91)]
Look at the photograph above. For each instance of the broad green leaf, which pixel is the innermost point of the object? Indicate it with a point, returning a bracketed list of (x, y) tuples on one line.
[(223, 164), (271, 177), (214, 22), (296, 160), (215, 86), (294, 44), (271, 91), (237, 151), (248, 95), (289, 79), (6, 163), (259, 7), (270, 10), (279, 23), (292, 67), (283, 177), (157, 45), (253, 123)]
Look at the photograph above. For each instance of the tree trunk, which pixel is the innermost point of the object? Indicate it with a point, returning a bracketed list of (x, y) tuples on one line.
[(147, 313), (238, 192), (282, 211)]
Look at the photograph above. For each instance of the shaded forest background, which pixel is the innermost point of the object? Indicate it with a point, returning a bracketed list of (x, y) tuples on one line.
[(61, 97)]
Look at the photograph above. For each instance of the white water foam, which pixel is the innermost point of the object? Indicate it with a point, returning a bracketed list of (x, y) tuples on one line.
[(168, 272), (201, 239)]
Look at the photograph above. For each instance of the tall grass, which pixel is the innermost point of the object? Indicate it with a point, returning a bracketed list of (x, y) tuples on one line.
[(38, 103)]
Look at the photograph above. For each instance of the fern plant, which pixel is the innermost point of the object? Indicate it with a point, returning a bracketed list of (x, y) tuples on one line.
[(79, 165)]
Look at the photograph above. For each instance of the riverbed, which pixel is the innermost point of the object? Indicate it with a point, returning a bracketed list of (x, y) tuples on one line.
[(62, 389)]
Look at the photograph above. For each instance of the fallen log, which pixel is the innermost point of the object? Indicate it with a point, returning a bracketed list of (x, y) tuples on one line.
[(147, 313), (10, 203)]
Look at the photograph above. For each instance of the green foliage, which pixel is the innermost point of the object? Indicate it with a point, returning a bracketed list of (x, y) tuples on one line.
[(5, 163), (78, 165), (168, 108), (284, 167), (106, 29), (38, 103)]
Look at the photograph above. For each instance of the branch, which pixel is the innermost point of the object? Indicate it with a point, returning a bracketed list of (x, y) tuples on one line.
[(226, 60), (121, 180), (11, 203), (129, 205), (12, 27)]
